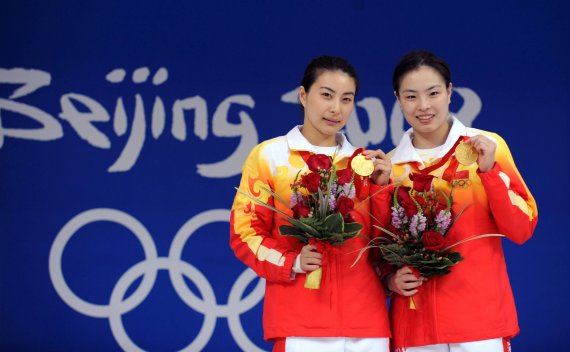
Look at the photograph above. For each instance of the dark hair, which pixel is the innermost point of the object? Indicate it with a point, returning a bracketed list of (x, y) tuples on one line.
[(414, 60), (327, 63)]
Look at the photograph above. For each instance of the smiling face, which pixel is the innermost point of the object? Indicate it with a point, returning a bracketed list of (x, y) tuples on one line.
[(424, 100), (328, 103)]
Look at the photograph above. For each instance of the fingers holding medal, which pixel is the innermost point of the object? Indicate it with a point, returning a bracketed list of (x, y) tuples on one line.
[(373, 163), (478, 149)]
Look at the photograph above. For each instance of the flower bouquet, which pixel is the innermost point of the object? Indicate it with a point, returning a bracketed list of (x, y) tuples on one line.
[(321, 202), (420, 221)]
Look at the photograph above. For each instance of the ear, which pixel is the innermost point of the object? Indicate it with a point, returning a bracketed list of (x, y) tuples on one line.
[(398, 99), (449, 91), (302, 96)]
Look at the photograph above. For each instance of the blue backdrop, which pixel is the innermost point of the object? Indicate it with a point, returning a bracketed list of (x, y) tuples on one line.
[(123, 127)]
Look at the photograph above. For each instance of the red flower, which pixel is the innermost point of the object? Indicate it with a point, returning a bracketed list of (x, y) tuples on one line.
[(433, 240), (344, 176), (319, 161), (409, 206), (403, 193), (344, 205), (406, 201), (311, 181), (421, 201), (422, 182), (300, 210), (439, 207)]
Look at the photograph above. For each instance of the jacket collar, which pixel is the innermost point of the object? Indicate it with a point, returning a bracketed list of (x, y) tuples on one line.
[(405, 151), (298, 142)]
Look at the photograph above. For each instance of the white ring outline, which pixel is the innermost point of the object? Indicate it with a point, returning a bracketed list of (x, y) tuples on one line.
[(180, 286), (56, 253), (142, 268), (149, 268)]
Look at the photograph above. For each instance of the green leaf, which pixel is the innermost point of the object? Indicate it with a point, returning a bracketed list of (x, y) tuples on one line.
[(471, 239), (393, 235), (257, 201), (334, 222), (292, 231), (336, 238), (276, 196), (288, 230), (395, 199), (352, 227), (323, 204), (300, 224), (457, 217), (447, 200)]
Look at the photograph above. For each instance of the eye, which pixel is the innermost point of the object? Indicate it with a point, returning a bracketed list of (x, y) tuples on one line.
[(434, 93), (347, 100), (326, 95), (409, 97)]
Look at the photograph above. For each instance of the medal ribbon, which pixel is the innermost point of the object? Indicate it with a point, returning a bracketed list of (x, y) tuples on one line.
[(449, 173), (444, 159)]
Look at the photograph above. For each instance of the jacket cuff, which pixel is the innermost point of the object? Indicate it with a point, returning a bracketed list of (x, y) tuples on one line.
[(492, 178), (491, 173), (288, 266)]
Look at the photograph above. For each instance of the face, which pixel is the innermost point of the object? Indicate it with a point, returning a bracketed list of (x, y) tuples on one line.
[(424, 100), (327, 104)]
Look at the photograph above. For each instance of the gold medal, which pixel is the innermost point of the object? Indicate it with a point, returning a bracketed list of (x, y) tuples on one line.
[(362, 166), (465, 154)]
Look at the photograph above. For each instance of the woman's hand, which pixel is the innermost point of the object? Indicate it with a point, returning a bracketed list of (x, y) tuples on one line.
[(310, 258), (486, 149), (404, 282), (382, 166)]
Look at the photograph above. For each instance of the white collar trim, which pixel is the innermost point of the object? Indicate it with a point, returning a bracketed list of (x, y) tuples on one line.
[(297, 141), (406, 152)]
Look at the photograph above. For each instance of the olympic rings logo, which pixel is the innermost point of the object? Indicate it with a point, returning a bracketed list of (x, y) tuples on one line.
[(148, 269)]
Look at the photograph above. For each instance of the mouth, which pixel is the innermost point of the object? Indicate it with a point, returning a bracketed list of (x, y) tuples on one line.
[(426, 118), (331, 122)]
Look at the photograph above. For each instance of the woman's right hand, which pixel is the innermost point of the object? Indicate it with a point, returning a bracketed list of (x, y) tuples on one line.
[(310, 258), (382, 166), (404, 282)]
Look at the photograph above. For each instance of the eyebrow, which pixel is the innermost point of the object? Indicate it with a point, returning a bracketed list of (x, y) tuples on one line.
[(333, 91), (414, 91)]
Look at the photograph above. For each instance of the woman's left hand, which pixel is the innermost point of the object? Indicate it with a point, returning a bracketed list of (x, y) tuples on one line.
[(382, 166), (486, 149)]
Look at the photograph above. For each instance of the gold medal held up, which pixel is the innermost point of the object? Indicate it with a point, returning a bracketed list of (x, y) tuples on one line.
[(465, 154), (362, 166)]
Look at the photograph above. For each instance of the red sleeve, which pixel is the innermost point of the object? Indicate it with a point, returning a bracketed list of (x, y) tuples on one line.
[(513, 207)]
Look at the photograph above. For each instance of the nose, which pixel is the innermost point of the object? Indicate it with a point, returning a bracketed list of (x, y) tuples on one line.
[(424, 103), (335, 106)]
